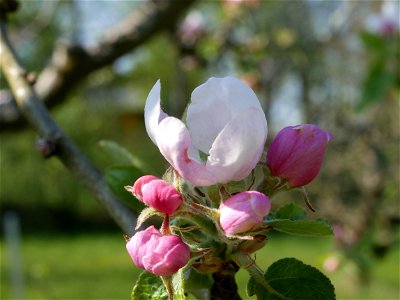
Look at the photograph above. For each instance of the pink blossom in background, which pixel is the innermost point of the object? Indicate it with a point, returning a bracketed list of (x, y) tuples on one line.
[(387, 21)]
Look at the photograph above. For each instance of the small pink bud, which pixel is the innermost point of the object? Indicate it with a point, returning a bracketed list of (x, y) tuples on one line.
[(243, 212), (162, 255), (162, 196), (156, 193), (297, 152), (136, 189)]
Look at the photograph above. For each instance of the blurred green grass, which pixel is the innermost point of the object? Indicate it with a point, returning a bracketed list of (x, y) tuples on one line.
[(96, 266)]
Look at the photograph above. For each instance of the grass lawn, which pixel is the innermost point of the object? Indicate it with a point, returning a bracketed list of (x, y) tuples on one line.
[(96, 266)]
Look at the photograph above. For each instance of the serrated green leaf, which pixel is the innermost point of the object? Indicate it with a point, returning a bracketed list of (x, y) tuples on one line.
[(149, 287), (291, 211), (120, 176), (178, 284), (301, 227), (122, 156), (294, 280)]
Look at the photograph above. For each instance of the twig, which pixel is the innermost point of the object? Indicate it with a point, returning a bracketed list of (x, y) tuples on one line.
[(37, 115)]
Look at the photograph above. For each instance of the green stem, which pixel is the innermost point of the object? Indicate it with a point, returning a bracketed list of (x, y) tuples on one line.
[(246, 262), (168, 285), (165, 229)]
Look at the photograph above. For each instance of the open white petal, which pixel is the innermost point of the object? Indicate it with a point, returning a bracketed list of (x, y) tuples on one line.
[(173, 140), (213, 105), (153, 113), (238, 147)]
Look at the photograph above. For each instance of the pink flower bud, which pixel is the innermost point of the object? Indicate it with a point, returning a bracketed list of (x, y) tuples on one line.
[(244, 211), (297, 152), (157, 193), (162, 255), (139, 183)]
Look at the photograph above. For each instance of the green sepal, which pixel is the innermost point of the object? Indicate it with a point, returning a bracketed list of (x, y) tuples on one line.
[(146, 214)]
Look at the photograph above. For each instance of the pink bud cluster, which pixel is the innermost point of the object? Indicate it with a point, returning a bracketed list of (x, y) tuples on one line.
[(162, 255), (233, 139)]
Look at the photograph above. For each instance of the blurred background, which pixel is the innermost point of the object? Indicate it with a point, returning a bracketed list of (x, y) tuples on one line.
[(331, 63)]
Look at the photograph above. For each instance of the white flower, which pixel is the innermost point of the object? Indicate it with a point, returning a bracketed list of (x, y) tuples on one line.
[(225, 121)]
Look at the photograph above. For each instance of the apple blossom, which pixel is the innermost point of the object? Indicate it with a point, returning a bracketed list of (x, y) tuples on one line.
[(225, 121), (162, 255), (297, 152), (156, 193), (243, 212)]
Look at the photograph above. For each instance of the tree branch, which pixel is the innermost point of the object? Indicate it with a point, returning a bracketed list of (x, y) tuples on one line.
[(37, 115), (70, 64), (225, 286)]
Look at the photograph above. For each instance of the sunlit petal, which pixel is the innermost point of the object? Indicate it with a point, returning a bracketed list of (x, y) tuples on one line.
[(153, 113), (238, 147), (213, 105), (173, 140)]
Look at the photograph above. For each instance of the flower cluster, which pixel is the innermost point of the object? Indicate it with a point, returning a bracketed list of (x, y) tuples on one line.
[(221, 181)]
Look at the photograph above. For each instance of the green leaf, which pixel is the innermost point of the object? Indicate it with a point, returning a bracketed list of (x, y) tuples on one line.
[(301, 227), (294, 280), (122, 156), (377, 82), (212, 193), (117, 178), (178, 284), (291, 211), (373, 42), (196, 281), (149, 287)]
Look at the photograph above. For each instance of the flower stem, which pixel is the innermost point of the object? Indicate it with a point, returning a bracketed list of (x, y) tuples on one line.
[(246, 262), (168, 285), (306, 199), (165, 229)]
